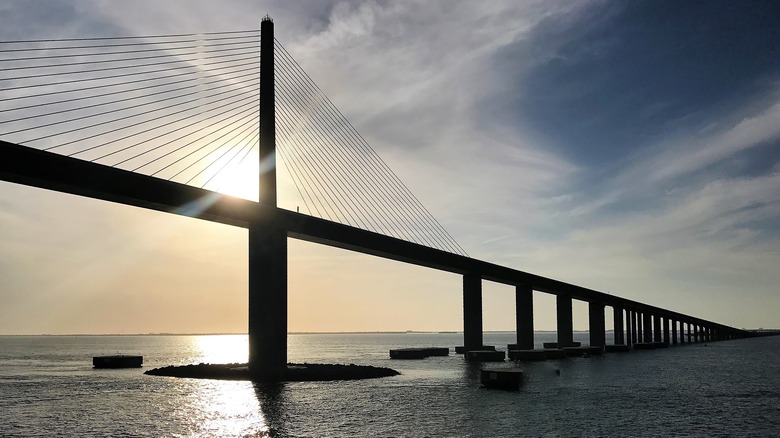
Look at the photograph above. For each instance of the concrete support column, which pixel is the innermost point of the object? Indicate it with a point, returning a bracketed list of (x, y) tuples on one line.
[(629, 328), (657, 328), (472, 311), (524, 316), (267, 299), (666, 330), (267, 244), (267, 117), (647, 330), (596, 324), (696, 333), (617, 323), (674, 332), (639, 321), (564, 320), (634, 327)]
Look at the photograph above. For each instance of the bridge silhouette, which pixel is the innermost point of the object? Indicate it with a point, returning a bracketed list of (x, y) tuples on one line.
[(354, 201)]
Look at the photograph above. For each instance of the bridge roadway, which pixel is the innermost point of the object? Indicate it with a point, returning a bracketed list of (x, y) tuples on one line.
[(36, 168)]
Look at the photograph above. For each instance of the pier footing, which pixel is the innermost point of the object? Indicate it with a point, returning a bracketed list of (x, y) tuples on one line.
[(508, 379), (463, 350), (291, 373), (529, 355), (486, 356), (418, 353)]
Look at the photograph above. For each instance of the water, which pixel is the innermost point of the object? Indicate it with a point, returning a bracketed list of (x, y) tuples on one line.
[(48, 387)]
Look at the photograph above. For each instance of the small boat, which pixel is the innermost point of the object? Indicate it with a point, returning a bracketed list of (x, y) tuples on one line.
[(118, 361)]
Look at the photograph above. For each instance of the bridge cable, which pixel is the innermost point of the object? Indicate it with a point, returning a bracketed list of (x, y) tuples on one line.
[(246, 111), (252, 73), (168, 50), (381, 186), (254, 139), (182, 35), (442, 241), (407, 238), (125, 108), (337, 200), (325, 158), (172, 131), (247, 128), (323, 133)]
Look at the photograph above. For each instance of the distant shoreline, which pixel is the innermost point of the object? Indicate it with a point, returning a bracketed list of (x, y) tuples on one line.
[(443, 332)]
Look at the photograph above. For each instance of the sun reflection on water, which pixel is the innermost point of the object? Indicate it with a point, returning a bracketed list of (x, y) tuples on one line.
[(222, 348), (226, 408), (223, 408)]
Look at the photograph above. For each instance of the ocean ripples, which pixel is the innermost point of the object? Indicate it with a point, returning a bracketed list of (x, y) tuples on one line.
[(726, 389)]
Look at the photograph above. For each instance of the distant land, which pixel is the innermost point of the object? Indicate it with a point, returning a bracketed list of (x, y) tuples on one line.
[(289, 333)]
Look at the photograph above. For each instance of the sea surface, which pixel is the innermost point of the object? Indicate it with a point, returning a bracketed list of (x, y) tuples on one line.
[(49, 388)]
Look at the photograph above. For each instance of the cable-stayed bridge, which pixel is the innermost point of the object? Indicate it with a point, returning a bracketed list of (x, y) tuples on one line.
[(177, 123)]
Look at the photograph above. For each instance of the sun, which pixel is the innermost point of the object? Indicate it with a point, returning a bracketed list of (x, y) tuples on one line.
[(233, 176)]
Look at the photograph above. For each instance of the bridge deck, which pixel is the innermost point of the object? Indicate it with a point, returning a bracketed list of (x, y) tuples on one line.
[(32, 167)]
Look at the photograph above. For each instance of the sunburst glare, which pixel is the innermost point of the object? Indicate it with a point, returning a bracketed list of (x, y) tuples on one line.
[(222, 348), (233, 175)]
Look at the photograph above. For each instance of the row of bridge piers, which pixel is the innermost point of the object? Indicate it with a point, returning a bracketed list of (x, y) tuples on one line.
[(633, 323)]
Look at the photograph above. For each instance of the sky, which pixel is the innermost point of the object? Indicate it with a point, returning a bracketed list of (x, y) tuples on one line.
[(628, 147)]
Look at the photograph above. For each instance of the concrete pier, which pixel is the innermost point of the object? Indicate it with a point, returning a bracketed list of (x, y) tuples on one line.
[(639, 328), (596, 324), (666, 339), (617, 323), (267, 300), (657, 328), (647, 327), (674, 332), (267, 244), (472, 311), (564, 320), (524, 317)]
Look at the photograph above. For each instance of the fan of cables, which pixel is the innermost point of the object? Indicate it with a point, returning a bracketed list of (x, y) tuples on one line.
[(185, 108)]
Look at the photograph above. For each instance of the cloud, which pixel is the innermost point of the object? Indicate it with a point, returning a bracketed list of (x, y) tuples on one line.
[(445, 91)]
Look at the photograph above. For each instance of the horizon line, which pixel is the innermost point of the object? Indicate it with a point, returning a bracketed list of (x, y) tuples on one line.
[(289, 333)]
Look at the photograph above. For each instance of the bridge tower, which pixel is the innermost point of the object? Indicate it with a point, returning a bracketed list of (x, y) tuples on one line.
[(267, 239)]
